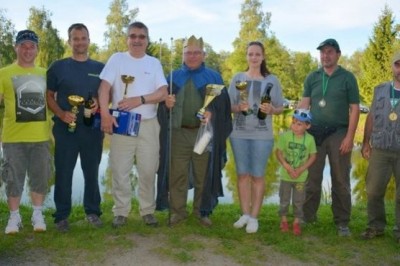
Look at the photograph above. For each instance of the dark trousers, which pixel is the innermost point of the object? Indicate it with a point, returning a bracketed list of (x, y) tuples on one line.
[(340, 180), (183, 161), (88, 144), (291, 191), (382, 165)]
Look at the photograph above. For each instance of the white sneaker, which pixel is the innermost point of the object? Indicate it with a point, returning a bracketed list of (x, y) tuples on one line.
[(252, 225), (38, 222), (14, 224), (243, 220)]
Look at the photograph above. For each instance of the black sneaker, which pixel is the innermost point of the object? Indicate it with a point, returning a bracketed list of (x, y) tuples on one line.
[(150, 220), (62, 226), (371, 233), (94, 220), (119, 221)]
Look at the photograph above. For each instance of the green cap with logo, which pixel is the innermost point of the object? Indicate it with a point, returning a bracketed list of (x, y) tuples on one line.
[(329, 42)]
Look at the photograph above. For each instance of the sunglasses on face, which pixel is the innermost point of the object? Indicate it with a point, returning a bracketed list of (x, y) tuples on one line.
[(134, 36)]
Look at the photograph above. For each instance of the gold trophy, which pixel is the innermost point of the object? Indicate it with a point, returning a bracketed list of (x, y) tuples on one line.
[(241, 86), (126, 79), (212, 91), (75, 101)]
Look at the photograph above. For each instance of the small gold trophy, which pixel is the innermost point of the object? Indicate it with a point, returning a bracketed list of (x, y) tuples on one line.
[(126, 79), (241, 86), (75, 101), (212, 91)]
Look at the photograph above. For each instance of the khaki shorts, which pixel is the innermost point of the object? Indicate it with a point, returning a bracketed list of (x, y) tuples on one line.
[(26, 159)]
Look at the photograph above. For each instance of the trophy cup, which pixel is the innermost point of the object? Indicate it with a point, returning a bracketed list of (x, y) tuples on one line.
[(212, 91), (241, 86), (126, 79), (75, 101)]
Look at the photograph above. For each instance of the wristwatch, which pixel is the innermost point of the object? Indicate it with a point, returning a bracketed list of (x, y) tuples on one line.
[(142, 99)]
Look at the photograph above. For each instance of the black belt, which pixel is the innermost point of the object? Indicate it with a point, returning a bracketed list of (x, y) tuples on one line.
[(190, 127)]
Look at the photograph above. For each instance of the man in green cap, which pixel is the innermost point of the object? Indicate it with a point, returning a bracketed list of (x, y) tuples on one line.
[(331, 93)]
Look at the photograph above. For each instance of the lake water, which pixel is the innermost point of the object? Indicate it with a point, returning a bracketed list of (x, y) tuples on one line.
[(78, 186)]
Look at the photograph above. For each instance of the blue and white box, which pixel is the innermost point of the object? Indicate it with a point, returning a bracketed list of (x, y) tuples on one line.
[(128, 123)]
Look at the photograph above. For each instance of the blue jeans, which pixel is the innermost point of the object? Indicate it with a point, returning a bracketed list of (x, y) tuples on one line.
[(251, 155), (382, 164), (88, 144)]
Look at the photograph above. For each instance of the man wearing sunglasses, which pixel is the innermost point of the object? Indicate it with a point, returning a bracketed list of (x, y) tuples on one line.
[(140, 94), (331, 93), (26, 133)]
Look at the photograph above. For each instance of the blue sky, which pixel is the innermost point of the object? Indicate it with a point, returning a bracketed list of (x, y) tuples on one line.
[(299, 24)]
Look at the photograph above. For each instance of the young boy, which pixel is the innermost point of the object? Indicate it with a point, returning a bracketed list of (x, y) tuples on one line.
[(296, 151)]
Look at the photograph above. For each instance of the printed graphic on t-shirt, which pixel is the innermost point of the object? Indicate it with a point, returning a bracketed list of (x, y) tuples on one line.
[(30, 101), (250, 122), (295, 154)]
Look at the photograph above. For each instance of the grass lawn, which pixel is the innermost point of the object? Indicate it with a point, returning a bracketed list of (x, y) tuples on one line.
[(318, 245)]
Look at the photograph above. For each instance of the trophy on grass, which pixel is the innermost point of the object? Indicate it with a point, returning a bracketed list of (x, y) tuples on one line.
[(75, 101), (126, 79), (241, 86), (212, 91)]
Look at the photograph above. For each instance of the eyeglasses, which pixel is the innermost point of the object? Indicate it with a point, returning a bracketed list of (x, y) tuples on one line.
[(195, 53), (134, 36)]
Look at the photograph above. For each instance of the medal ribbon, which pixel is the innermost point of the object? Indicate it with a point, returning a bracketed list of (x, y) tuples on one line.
[(324, 84), (393, 101)]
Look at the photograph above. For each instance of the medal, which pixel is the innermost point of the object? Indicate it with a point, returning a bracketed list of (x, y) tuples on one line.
[(322, 103), (393, 102), (393, 116)]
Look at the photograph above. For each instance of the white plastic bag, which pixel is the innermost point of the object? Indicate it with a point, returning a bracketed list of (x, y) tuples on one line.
[(204, 137)]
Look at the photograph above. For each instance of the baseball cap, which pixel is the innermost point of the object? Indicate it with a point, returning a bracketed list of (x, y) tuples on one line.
[(26, 35), (302, 115), (396, 57), (330, 42)]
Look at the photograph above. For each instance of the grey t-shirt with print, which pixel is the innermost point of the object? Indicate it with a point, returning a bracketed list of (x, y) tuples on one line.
[(250, 127)]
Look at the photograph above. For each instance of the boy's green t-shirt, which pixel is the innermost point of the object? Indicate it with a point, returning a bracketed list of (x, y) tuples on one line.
[(296, 151)]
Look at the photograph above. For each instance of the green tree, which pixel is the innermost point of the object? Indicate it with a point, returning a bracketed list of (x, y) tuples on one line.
[(376, 60), (51, 45), (7, 33), (300, 66), (117, 22), (94, 52), (212, 59), (253, 27), (353, 63)]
